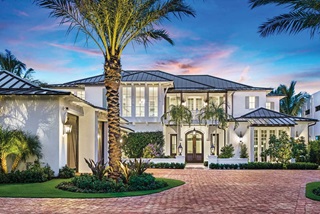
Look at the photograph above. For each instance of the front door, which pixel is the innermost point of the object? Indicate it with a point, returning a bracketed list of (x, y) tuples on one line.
[(194, 147)]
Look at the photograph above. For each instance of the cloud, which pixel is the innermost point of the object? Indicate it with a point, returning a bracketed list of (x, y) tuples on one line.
[(21, 13), (244, 76), (86, 51)]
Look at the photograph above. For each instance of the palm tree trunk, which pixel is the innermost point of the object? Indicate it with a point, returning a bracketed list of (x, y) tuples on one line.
[(15, 163), (4, 167), (112, 72)]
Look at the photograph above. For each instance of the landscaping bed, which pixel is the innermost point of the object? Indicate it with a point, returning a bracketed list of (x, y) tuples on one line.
[(313, 191)]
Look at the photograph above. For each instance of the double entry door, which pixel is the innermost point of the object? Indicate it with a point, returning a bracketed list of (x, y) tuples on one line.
[(194, 147)]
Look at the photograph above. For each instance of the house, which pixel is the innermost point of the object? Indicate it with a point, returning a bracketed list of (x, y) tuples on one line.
[(311, 109), (69, 128), (146, 95)]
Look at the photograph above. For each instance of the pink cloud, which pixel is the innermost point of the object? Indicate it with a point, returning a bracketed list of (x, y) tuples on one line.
[(21, 13), (244, 76), (87, 51)]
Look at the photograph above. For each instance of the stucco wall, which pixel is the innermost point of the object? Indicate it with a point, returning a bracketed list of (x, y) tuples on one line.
[(239, 101)]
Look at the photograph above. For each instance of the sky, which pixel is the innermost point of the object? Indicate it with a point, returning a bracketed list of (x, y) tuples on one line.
[(222, 40)]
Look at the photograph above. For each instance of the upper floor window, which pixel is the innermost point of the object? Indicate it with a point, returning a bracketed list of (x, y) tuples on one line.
[(317, 108), (153, 101), (251, 102), (270, 105), (194, 103), (126, 102), (307, 112), (140, 101)]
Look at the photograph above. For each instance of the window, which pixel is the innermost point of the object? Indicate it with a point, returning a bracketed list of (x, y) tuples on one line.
[(317, 108), (153, 101), (80, 94), (263, 143), (256, 141), (251, 102), (126, 102), (317, 137), (190, 104), (270, 105), (173, 144), (140, 102), (307, 112)]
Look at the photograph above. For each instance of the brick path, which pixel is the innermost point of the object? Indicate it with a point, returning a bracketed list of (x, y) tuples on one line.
[(205, 191)]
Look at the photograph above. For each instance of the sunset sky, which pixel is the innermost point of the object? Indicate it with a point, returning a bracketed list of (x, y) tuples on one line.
[(222, 41)]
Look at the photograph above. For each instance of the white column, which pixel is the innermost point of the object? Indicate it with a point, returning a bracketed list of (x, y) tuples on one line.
[(251, 143)]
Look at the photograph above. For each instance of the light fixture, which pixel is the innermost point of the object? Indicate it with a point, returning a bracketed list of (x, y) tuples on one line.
[(194, 131), (297, 135), (67, 128), (180, 149), (121, 140), (240, 137), (212, 149)]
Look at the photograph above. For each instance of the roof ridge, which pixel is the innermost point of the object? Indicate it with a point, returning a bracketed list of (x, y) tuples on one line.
[(79, 79), (20, 78)]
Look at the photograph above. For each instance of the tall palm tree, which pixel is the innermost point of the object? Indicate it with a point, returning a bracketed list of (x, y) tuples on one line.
[(112, 25), (10, 63), (215, 114), (178, 115), (7, 147), (303, 15), (292, 103), (28, 145)]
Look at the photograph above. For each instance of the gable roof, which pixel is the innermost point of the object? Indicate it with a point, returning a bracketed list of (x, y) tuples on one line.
[(181, 82), (267, 117), (11, 84)]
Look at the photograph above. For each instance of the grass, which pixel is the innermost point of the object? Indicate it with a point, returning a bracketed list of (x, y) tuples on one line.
[(310, 187), (48, 190)]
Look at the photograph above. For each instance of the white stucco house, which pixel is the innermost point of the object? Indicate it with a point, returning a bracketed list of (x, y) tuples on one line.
[(69, 128), (311, 109), (146, 95)]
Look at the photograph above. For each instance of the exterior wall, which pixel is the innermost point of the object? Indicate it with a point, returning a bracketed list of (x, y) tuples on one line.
[(38, 115), (239, 101), (95, 95), (276, 102), (311, 105)]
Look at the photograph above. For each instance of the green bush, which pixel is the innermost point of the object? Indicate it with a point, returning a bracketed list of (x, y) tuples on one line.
[(167, 165), (134, 144), (302, 165), (314, 151), (205, 163), (34, 174), (144, 182), (66, 172), (227, 151), (243, 151)]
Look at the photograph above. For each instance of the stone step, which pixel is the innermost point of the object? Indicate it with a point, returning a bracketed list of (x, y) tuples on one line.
[(195, 166)]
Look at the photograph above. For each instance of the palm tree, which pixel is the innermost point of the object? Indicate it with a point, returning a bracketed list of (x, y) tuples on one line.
[(7, 147), (112, 25), (216, 115), (10, 63), (178, 115), (28, 145), (292, 103), (304, 15)]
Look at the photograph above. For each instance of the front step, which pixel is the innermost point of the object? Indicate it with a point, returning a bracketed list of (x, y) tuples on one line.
[(195, 166)]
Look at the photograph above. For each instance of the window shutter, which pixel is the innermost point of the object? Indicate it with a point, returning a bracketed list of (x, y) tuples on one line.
[(272, 105), (104, 98), (257, 101), (247, 102)]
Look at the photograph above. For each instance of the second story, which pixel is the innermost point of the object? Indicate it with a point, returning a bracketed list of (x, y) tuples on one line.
[(145, 96)]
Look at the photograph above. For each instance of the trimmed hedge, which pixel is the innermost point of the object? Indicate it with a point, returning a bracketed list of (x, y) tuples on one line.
[(35, 174), (205, 163), (265, 165), (167, 165)]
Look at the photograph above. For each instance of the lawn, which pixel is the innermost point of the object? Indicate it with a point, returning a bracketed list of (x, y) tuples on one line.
[(309, 193), (48, 190)]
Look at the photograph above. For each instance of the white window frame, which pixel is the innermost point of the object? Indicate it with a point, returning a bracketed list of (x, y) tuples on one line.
[(252, 102), (140, 101), (153, 98), (126, 107)]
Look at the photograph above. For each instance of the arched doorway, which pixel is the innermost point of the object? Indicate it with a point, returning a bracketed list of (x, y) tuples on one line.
[(194, 147)]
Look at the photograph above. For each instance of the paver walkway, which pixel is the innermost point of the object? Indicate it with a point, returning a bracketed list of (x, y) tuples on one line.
[(205, 191)]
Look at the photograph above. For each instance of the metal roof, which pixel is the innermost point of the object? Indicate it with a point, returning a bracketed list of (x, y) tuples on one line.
[(267, 117), (181, 82), (11, 84)]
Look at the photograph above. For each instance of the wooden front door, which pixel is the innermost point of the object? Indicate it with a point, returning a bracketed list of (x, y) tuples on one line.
[(194, 147)]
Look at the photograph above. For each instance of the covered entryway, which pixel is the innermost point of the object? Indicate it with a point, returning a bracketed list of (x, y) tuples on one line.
[(194, 147)]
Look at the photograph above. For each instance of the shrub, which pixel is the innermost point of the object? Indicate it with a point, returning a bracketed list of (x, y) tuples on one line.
[(152, 150), (99, 169), (66, 172), (302, 166), (167, 165), (144, 182), (316, 191), (243, 151), (134, 144), (138, 167), (314, 151), (227, 151), (34, 174), (205, 163)]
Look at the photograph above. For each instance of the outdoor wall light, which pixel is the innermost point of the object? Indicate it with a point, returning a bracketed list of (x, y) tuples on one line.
[(297, 135), (194, 131), (180, 149), (212, 149), (67, 128), (121, 140), (240, 137)]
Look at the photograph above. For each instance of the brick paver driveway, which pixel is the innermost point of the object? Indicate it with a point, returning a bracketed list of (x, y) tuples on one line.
[(205, 191)]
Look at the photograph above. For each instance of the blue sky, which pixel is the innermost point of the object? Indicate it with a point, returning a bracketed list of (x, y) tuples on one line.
[(222, 41)]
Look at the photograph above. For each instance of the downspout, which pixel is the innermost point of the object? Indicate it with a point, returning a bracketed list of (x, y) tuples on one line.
[(232, 102), (309, 125), (165, 101)]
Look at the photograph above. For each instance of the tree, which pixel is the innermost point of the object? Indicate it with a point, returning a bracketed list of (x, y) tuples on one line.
[(303, 15), (112, 25), (178, 115), (292, 103), (216, 115), (279, 149), (10, 63), (7, 147)]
